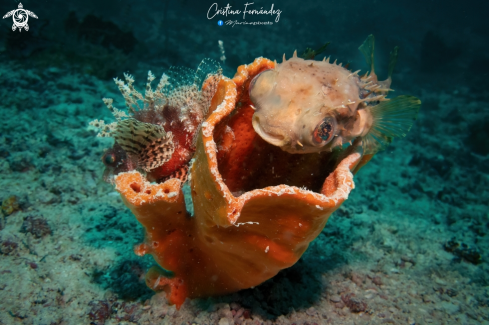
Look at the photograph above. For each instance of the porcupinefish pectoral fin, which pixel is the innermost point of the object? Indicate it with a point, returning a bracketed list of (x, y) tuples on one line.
[(367, 49), (392, 118), (148, 142)]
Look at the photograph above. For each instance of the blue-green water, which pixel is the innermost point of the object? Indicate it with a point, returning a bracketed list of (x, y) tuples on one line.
[(409, 246)]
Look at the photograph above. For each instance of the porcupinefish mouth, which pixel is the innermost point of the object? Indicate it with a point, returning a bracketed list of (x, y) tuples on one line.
[(272, 138)]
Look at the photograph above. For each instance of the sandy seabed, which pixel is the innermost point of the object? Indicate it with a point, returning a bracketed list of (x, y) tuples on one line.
[(408, 247)]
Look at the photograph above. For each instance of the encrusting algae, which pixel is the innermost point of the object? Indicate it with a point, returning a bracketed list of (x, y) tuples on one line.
[(261, 193)]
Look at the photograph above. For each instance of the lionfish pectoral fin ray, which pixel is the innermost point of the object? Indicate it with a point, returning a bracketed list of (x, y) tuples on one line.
[(181, 173), (392, 118), (206, 67), (135, 136), (207, 77), (179, 77), (193, 90), (156, 153)]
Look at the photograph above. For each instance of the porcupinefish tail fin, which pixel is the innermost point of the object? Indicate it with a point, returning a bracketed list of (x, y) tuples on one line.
[(393, 61), (391, 119), (367, 49), (149, 143)]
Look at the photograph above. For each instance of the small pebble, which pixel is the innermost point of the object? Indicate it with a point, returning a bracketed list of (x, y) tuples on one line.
[(335, 298), (311, 311), (239, 313), (451, 292), (224, 321), (357, 279), (377, 280)]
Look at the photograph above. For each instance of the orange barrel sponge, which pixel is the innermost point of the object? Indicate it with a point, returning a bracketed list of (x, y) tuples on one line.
[(256, 207)]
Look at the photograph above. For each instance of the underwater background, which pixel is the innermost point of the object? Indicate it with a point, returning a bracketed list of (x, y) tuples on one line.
[(409, 246)]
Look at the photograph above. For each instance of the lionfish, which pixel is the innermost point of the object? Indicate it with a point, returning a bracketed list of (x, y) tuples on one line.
[(157, 134)]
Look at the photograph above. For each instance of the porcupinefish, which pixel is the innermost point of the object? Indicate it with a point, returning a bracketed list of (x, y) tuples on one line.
[(157, 134), (305, 106)]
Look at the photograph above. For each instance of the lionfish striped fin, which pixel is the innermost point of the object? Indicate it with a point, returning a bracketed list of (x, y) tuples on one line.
[(133, 135), (157, 153), (181, 174), (191, 90), (148, 142), (207, 77)]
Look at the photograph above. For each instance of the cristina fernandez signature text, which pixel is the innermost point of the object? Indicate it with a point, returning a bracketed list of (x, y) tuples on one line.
[(215, 10)]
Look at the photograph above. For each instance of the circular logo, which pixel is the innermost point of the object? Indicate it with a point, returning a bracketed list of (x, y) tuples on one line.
[(20, 17), (220, 23)]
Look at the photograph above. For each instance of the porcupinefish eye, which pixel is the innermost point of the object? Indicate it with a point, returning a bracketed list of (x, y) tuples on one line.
[(260, 85), (109, 159), (325, 130)]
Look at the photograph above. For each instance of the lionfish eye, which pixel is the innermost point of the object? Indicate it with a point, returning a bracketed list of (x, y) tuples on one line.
[(325, 130), (109, 159)]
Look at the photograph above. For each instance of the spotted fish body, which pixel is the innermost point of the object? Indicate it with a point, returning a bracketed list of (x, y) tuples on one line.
[(157, 133), (305, 106)]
